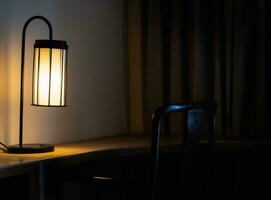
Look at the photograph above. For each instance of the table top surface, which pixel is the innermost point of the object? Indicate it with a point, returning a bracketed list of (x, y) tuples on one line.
[(120, 143)]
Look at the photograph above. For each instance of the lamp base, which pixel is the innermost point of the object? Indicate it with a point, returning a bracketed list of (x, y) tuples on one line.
[(30, 148)]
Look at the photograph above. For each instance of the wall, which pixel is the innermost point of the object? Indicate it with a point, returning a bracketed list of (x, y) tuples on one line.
[(96, 88)]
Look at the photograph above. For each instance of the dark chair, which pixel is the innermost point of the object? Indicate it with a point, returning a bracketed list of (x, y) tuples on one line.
[(194, 120), (191, 139)]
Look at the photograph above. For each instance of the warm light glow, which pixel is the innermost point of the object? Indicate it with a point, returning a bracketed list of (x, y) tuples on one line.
[(49, 77), (44, 73)]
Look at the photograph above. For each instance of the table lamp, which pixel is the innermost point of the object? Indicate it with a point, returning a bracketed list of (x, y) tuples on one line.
[(49, 81)]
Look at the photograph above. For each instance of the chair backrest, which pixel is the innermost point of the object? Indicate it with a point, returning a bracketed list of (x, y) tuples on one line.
[(191, 138)]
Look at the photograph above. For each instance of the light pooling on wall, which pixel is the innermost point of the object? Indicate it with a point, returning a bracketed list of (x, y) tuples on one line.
[(89, 88)]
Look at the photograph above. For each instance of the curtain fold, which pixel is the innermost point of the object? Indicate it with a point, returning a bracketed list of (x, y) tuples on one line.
[(194, 50)]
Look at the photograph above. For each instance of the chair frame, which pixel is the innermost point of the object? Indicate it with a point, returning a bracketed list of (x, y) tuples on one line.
[(157, 117)]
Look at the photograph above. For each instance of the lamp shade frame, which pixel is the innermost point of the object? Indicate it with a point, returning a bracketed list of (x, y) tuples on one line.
[(53, 44), (49, 78)]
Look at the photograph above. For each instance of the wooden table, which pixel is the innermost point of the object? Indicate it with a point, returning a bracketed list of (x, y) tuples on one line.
[(35, 165), (66, 154), (115, 144)]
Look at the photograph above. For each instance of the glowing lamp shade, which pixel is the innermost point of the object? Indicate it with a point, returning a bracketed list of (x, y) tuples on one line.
[(49, 73)]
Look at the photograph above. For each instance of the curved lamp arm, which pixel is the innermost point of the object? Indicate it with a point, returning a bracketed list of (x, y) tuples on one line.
[(22, 70)]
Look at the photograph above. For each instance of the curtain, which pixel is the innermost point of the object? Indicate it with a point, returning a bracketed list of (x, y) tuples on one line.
[(195, 50)]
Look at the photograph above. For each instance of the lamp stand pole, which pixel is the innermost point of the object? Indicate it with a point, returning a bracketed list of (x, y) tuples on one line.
[(22, 71)]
